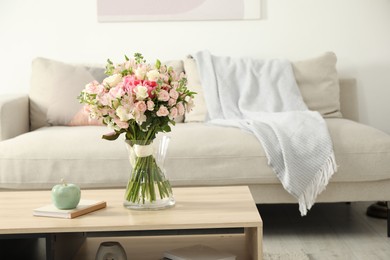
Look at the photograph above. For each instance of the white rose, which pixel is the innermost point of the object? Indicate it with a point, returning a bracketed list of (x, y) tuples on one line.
[(113, 80), (153, 75), (140, 73), (141, 92)]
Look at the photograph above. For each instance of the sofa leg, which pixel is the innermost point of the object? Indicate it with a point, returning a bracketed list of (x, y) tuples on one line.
[(388, 219)]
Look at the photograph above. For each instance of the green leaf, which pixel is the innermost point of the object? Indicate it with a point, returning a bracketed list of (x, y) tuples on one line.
[(158, 64), (166, 128), (111, 136), (138, 58)]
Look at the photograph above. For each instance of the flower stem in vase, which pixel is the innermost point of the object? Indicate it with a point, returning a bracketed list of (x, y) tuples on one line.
[(148, 187)]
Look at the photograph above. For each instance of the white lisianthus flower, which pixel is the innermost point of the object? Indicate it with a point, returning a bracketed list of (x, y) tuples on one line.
[(113, 80), (190, 104), (153, 75), (123, 113), (141, 92)]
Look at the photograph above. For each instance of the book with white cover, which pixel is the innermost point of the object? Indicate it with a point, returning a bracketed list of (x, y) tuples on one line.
[(197, 252), (84, 207)]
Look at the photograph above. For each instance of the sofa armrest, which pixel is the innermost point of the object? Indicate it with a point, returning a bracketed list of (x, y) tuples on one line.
[(14, 115)]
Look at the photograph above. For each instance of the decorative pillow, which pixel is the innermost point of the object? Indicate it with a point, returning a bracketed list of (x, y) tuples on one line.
[(55, 87), (82, 119), (317, 80), (199, 111), (54, 90)]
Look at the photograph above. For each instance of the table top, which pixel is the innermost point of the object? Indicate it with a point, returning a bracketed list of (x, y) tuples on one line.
[(196, 207)]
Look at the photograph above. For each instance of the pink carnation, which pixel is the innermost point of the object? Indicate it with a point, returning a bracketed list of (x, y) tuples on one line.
[(129, 83), (104, 99), (117, 92), (93, 87)]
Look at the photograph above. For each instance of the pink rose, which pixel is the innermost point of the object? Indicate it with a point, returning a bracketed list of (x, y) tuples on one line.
[(174, 112), (171, 102), (150, 105), (163, 95), (140, 106), (162, 111), (173, 94), (180, 108)]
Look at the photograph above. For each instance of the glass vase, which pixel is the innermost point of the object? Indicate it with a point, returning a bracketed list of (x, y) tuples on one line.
[(148, 187)]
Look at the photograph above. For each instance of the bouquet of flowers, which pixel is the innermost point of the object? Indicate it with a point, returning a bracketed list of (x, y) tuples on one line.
[(139, 100)]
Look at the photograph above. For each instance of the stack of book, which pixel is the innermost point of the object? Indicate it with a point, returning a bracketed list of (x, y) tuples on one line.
[(84, 207)]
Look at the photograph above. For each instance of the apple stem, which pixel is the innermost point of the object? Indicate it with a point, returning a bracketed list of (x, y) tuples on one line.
[(63, 182)]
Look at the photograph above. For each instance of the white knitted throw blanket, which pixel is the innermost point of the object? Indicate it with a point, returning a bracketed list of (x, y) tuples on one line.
[(262, 96)]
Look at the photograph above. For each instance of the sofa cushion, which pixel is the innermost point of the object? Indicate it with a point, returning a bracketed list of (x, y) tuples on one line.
[(362, 152), (39, 159), (317, 80), (54, 89), (198, 154)]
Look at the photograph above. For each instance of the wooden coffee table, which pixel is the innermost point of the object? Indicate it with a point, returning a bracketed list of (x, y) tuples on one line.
[(225, 218)]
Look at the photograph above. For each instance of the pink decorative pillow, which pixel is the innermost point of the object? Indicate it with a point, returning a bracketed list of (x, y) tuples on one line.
[(82, 119)]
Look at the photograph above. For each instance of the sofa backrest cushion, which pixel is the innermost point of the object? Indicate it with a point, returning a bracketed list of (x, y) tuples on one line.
[(199, 111), (317, 80), (55, 87)]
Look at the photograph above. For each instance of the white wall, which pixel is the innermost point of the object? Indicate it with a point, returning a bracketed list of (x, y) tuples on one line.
[(357, 31)]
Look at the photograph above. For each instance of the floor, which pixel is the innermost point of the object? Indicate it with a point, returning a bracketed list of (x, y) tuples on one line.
[(329, 231)]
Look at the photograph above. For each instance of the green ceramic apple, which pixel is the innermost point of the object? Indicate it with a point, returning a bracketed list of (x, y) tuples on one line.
[(65, 195)]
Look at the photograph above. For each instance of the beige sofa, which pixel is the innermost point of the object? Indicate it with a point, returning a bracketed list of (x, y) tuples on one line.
[(38, 147)]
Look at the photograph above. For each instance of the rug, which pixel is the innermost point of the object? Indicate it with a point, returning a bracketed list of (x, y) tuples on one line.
[(285, 256)]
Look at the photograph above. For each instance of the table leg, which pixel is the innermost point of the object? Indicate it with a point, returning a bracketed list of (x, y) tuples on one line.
[(254, 243), (63, 246)]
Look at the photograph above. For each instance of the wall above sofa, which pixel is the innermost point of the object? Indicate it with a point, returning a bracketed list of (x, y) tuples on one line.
[(356, 30)]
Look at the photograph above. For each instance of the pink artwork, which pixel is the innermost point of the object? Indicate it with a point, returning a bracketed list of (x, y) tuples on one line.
[(159, 10)]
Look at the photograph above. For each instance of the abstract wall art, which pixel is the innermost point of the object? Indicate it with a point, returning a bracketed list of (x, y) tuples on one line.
[(176, 10)]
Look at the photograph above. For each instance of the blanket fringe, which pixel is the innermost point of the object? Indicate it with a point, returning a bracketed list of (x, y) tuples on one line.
[(318, 184)]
